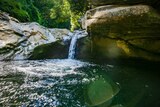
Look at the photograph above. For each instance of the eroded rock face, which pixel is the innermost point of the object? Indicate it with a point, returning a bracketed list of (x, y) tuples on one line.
[(20, 40), (124, 31), (154, 3)]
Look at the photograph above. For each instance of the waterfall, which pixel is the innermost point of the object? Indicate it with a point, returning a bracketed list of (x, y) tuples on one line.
[(72, 48)]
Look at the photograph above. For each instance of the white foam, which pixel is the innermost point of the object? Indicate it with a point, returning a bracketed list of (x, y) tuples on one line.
[(49, 67), (34, 74)]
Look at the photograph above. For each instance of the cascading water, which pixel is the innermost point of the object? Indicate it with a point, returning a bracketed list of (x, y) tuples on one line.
[(72, 48)]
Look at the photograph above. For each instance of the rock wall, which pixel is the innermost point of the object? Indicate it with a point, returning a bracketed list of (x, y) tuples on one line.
[(118, 31), (153, 3)]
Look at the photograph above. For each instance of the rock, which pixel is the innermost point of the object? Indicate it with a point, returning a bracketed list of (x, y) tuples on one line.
[(51, 51), (83, 50), (106, 2), (95, 3), (20, 40), (154, 3), (124, 32)]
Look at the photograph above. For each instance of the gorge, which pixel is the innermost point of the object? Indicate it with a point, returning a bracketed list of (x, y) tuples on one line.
[(111, 61)]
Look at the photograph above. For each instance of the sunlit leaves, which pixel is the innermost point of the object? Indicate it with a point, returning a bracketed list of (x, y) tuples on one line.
[(53, 13), (50, 13)]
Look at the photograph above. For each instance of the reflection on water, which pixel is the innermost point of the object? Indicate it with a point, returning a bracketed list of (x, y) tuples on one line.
[(100, 90), (72, 83)]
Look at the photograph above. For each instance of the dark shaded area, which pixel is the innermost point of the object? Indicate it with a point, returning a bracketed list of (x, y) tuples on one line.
[(139, 83), (83, 50), (56, 50)]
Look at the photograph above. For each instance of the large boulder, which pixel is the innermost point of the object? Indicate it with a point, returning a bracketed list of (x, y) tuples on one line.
[(154, 3), (31, 40), (124, 32), (95, 3)]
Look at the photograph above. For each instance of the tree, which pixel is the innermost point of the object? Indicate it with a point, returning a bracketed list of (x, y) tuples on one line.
[(50, 13)]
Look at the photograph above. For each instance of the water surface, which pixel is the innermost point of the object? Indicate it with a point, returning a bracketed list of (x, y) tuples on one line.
[(73, 83)]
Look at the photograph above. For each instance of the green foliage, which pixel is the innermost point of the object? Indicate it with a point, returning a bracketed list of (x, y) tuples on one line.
[(33, 11), (60, 13), (14, 8), (78, 8), (50, 13)]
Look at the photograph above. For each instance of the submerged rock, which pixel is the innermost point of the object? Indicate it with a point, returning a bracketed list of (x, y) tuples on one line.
[(124, 32)]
